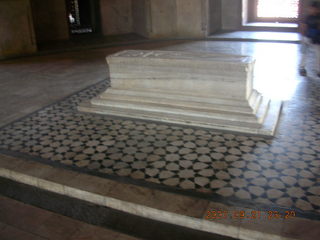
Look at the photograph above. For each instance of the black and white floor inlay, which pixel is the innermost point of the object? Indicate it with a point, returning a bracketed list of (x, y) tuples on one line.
[(284, 171)]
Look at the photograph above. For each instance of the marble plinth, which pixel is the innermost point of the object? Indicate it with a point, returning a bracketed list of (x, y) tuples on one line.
[(191, 88)]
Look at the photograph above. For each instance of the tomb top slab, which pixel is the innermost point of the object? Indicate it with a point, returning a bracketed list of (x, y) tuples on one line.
[(197, 56)]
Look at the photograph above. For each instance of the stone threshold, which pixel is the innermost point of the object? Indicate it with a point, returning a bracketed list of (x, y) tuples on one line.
[(270, 26), (28, 213), (98, 216), (154, 204), (224, 36)]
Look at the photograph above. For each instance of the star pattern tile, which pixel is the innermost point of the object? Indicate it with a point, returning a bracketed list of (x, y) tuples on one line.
[(284, 171)]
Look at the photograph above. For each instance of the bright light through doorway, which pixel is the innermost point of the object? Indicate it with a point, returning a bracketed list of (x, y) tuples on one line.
[(278, 8)]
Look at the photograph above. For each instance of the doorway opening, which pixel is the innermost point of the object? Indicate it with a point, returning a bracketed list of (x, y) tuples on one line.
[(274, 11), (83, 17)]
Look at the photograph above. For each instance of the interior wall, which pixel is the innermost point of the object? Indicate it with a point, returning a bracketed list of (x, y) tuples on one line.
[(173, 18), (50, 20), (159, 18), (231, 12), (163, 18), (215, 16), (140, 13), (149, 18), (190, 17), (16, 28), (116, 16)]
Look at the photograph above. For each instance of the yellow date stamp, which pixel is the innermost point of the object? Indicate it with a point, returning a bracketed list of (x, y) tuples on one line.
[(245, 214)]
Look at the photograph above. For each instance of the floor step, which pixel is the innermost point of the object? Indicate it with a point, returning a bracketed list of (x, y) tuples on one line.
[(63, 217), (20, 221)]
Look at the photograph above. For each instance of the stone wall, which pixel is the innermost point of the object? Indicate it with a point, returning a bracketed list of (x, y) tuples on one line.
[(116, 16), (191, 18), (176, 18), (214, 16), (149, 18), (231, 12), (16, 28), (163, 18), (50, 20), (140, 15)]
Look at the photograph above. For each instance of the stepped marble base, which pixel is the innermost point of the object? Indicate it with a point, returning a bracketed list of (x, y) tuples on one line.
[(194, 89)]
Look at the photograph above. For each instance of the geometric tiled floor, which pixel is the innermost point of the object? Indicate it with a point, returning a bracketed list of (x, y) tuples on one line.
[(244, 172), (283, 171)]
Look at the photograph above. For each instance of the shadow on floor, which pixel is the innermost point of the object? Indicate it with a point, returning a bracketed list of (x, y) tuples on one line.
[(88, 41)]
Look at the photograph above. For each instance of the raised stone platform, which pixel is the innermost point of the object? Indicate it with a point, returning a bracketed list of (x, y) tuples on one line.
[(191, 88)]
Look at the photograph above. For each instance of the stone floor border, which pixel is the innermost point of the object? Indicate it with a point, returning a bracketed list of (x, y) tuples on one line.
[(106, 193)]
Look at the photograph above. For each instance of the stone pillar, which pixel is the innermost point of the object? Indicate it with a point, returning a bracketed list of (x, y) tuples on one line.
[(16, 29)]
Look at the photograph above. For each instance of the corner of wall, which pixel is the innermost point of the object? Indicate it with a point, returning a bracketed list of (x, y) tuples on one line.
[(17, 33)]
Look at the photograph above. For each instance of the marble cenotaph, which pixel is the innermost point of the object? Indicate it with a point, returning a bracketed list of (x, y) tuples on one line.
[(190, 88)]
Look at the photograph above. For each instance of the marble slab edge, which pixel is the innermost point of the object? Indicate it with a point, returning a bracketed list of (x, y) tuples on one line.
[(267, 129), (154, 204)]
